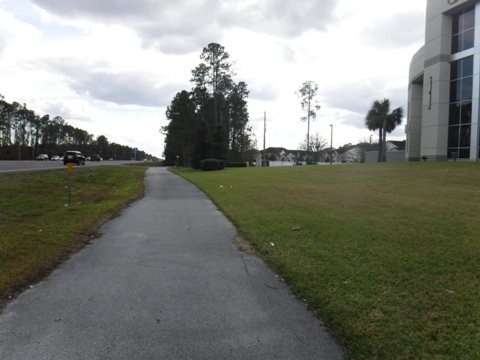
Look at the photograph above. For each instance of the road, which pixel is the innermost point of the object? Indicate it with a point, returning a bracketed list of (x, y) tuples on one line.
[(7, 166), (164, 281)]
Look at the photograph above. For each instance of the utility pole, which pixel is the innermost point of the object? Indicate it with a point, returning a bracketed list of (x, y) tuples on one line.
[(264, 137), (331, 143)]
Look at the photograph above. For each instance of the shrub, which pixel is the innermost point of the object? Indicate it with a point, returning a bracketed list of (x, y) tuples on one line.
[(236, 164), (210, 165)]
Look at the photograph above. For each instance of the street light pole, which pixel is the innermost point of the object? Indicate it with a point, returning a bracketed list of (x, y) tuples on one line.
[(331, 143)]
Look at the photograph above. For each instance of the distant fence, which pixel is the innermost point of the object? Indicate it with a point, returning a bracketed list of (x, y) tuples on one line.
[(289, 163), (392, 156), (278, 163)]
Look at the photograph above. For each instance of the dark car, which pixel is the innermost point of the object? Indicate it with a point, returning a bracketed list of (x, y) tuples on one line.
[(72, 156), (95, 157)]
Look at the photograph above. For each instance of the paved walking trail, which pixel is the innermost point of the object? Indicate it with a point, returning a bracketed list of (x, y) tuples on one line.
[(165, 281)]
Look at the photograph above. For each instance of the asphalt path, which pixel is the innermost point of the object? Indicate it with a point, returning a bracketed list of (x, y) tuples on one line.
[(9, 166), (164, 281)]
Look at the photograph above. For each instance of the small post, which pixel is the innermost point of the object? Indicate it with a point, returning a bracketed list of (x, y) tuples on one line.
[(264, 163), (70, 170)]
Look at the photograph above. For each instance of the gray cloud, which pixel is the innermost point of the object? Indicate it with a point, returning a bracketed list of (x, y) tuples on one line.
[(123, 88), (100, 9), (346, 97), (285, 18), (54, 106), (183, 26)]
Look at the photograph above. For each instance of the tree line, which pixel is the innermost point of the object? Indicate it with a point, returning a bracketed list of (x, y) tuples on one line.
[(210, 120), (24, 135)]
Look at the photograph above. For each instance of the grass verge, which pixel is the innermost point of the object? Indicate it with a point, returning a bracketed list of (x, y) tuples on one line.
[(386, 254), (37, 227)]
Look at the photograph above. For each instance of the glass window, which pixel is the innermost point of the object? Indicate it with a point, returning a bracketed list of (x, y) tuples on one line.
[(467, 86), (455, 24), (469, 18), (454, 114), (464, 153), (453, 133), (454, 91), (463, 25), (468, 39), (467, 66), (451, 151), (466, 112), (455, 44), (455, 70), (465, 136), (460, 108)]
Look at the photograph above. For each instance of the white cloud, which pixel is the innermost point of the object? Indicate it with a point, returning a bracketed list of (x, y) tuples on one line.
[(394, 34), (98, 81), (14, 33)]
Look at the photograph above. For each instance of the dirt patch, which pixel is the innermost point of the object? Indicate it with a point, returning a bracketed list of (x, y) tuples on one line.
[(244, 245)]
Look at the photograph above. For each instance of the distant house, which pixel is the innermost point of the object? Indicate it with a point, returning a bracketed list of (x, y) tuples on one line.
[(282, 156), (276, 154), (396, 145), (351, 154), (325, 155), (395, 152), (250, 155)]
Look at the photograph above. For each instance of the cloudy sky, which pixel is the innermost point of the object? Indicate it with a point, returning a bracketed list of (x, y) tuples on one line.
[(111, 67)]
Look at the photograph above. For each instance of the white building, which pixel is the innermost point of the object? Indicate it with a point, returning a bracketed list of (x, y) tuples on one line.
[(444, 84)]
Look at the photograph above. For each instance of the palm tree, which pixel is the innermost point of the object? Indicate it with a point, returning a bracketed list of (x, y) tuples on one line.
[(380, 118)]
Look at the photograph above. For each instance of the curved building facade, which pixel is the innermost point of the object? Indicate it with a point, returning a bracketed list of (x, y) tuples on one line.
[(444, 84)]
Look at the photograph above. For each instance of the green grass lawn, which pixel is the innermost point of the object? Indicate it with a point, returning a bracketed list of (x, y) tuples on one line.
[(387, 255), (37, 228)]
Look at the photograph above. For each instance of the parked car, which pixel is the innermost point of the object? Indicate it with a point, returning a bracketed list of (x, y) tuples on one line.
[(43, 157), (73, 156), (95, 157), (55, 158)]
